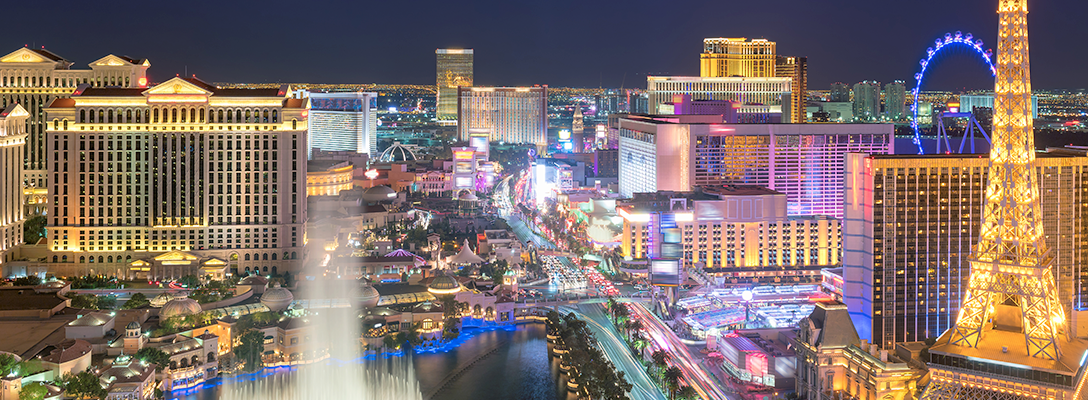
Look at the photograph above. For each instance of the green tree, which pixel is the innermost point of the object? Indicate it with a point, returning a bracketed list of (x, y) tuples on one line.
[(673, 376), (33, 391), (687, 392), (154, 356), (189, 281), (660, 358), (34, 229), (105, 302), (136, 301), (84, 301), (29, 280), (8, 364), (84, 385), (250, 349), (390, 342)]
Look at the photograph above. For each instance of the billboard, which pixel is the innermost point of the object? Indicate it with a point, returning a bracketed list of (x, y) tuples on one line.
[(665, 272)]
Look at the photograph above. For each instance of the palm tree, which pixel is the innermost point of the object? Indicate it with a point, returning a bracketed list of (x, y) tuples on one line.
[(661, 358), (672, 380), (633, 326), (639, 344), (687, 392)]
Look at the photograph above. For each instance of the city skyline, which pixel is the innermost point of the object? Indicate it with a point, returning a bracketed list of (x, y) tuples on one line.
[(550, 41)]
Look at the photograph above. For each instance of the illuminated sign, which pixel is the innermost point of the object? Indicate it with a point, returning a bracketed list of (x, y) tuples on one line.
[(463, 167), (142, 81), (564, 135), (665, 272), (463, 154), (177, 98), (371, 174), (634, 217), (464, 182), (602, 131)]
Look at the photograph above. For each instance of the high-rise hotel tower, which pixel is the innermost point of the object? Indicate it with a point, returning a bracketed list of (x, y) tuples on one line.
[(12, 153), (454, 70), (35, 77), (181, 167)]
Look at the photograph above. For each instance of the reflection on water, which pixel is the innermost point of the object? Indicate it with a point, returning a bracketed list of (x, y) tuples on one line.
[(510, 363)]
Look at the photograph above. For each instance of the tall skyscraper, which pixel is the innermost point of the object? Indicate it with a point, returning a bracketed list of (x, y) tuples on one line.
[(727, 57), (344, 121), (12, 154), (795, 68), (867, 101), (895, 101), (512, 115), (804, 161), (1011, 337), (454, 70), (910, 224), (840, 93), (181, 167), (767, 91), (35, 77)]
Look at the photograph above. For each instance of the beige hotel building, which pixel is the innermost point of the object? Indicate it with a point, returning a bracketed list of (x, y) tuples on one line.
[(738, 234), (157, 183), (33, 78), (12, 153)]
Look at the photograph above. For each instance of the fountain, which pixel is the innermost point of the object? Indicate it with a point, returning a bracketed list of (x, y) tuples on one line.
[(334, 332)]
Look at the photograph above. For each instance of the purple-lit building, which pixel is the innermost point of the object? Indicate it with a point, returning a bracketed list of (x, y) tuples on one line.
[(803, 161)]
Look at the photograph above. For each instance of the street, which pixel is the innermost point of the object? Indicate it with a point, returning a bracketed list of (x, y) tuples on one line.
[(663, 337)]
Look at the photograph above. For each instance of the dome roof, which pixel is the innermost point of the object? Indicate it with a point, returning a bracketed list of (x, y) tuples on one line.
[(253, 280), (161, 299), (179, 306), (277, 298), (468, 196), (133, 325), (366, 294), (379, 193), (397, 152), (444, 284)]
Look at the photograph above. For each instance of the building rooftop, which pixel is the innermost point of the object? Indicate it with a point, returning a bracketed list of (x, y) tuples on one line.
[(92, 319), (994, 343), (66, 351), (27, 299), (325, 165)]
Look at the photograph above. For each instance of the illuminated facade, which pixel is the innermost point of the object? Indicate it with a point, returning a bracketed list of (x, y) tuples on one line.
[(454, 70), (769, 91), (867, 101), (12, 154), (833, 363), (344, 121), (740, 235), (895, 101), (840, 93), (328, 178), (511, 115), (1011, 337), (180, 166), (804, 161), (795, 68), (35, 77), (727, 57), (910, 221)]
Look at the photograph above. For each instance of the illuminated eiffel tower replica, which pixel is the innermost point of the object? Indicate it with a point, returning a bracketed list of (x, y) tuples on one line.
[(1011, 339)]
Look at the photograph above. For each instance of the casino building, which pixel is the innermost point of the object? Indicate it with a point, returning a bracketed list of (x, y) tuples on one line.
[(739, 235), (182, 166), (33, 78)]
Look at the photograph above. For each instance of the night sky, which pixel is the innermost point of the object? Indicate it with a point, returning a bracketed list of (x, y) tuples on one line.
[(558, 43)]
